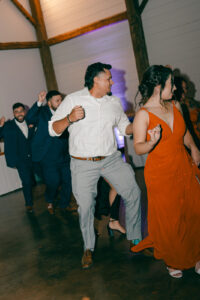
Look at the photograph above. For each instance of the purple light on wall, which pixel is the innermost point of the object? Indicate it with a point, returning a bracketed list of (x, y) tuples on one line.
[(98, 29), (119, 90), (119, 138)]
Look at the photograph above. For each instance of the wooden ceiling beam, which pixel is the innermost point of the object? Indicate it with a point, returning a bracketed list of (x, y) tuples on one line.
[(24, 12), (142, 6), (82, 30), (137, 36), (45, 52), (19, 45)]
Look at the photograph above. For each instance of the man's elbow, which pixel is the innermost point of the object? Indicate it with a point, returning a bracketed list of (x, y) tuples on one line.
[(52, 129)]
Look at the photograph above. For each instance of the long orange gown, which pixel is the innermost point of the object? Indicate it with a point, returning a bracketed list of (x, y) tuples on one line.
[(173, 188)]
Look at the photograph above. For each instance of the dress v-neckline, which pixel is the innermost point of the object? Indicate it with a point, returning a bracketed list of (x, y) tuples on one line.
[(171, 129)]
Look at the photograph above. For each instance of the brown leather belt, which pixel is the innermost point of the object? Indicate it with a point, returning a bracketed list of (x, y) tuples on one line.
[(95, 158)]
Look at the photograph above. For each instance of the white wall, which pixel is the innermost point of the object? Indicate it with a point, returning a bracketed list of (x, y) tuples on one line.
[(14, 26), (111, 44), (21, 75), (21, 78), (65, 15), (172, 32)]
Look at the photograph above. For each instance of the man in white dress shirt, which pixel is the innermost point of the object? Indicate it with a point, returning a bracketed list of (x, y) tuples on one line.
[(91, 115)]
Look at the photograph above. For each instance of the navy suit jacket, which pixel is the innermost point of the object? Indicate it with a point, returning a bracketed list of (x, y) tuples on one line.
[(44, 146), (17, 147)]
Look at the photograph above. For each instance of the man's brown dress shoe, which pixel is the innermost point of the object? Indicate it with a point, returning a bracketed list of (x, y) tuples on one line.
[(50, 209), (71, 208), (87, 259)]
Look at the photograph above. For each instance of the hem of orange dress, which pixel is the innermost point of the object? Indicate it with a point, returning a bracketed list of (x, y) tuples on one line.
[(181, 267), (144, 244)]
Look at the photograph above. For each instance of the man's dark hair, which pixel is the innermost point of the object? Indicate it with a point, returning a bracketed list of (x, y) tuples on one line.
[(52, 93), (92, 71), (18, 104)]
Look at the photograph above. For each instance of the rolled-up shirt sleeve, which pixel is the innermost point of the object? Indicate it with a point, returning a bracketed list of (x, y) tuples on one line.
[(123, 121), (62, 111)]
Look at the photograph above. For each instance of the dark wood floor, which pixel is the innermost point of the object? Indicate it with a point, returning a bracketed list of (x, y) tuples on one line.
[(40, 259)]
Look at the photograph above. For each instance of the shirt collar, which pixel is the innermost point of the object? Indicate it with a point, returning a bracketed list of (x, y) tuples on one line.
[(52, 111), (22, 124), (87, 93)]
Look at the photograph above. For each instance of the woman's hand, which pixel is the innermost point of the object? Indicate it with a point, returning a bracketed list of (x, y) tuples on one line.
[(155, 134)]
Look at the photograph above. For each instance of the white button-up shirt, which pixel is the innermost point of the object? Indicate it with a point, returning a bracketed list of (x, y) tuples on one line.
[(94, 135), (23, 127)]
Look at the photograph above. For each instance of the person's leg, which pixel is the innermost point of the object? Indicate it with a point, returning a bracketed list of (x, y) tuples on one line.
[(85, 175), (102, 199), (26, 174), (114, 206), (122, 177), (114, 200), (66, 186), (52, 180)]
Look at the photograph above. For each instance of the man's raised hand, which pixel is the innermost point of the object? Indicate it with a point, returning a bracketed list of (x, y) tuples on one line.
[(42, 96), (2, 121)]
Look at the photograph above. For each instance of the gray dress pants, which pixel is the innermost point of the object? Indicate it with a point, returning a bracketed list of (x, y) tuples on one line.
[(85, 175)]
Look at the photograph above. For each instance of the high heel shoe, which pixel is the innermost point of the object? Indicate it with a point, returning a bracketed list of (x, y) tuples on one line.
[(175, 273), (111, 230)]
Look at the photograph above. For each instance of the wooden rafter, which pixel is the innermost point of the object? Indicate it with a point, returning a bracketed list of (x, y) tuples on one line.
[(142, 6), (137, 36), (66, 36), (45, 52), (82, 30), (19, 45), (24, 11)]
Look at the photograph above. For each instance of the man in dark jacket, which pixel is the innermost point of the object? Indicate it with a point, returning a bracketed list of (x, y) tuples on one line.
[(17, 136), (51, 153)]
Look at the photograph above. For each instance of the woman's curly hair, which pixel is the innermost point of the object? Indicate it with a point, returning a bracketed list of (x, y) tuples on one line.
[(153, 76)]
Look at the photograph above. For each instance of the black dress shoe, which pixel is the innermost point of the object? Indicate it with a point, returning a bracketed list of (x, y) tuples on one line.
[(29, 209)]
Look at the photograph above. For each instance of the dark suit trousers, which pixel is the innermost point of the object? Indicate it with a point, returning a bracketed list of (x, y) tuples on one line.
[(102, 202), (25, 171), (57, 174)]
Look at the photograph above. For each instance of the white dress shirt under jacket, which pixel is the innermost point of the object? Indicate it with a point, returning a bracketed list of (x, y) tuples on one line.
[(23, 127), (94, 135)]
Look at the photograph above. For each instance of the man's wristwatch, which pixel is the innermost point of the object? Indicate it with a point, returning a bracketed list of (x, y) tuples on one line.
[(70, 122)]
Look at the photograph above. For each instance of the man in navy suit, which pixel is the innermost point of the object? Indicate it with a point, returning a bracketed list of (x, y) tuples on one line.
[(17, 136), (51, 153)]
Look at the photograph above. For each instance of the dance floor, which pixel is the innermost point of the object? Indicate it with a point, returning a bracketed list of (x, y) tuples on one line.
[(40, 258)]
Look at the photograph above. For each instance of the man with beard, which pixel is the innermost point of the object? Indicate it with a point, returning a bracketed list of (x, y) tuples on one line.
[(17, 139), (91, 115), (51, 153)]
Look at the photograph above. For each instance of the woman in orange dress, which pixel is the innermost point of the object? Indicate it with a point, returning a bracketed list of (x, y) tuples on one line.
[(172, 176)]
